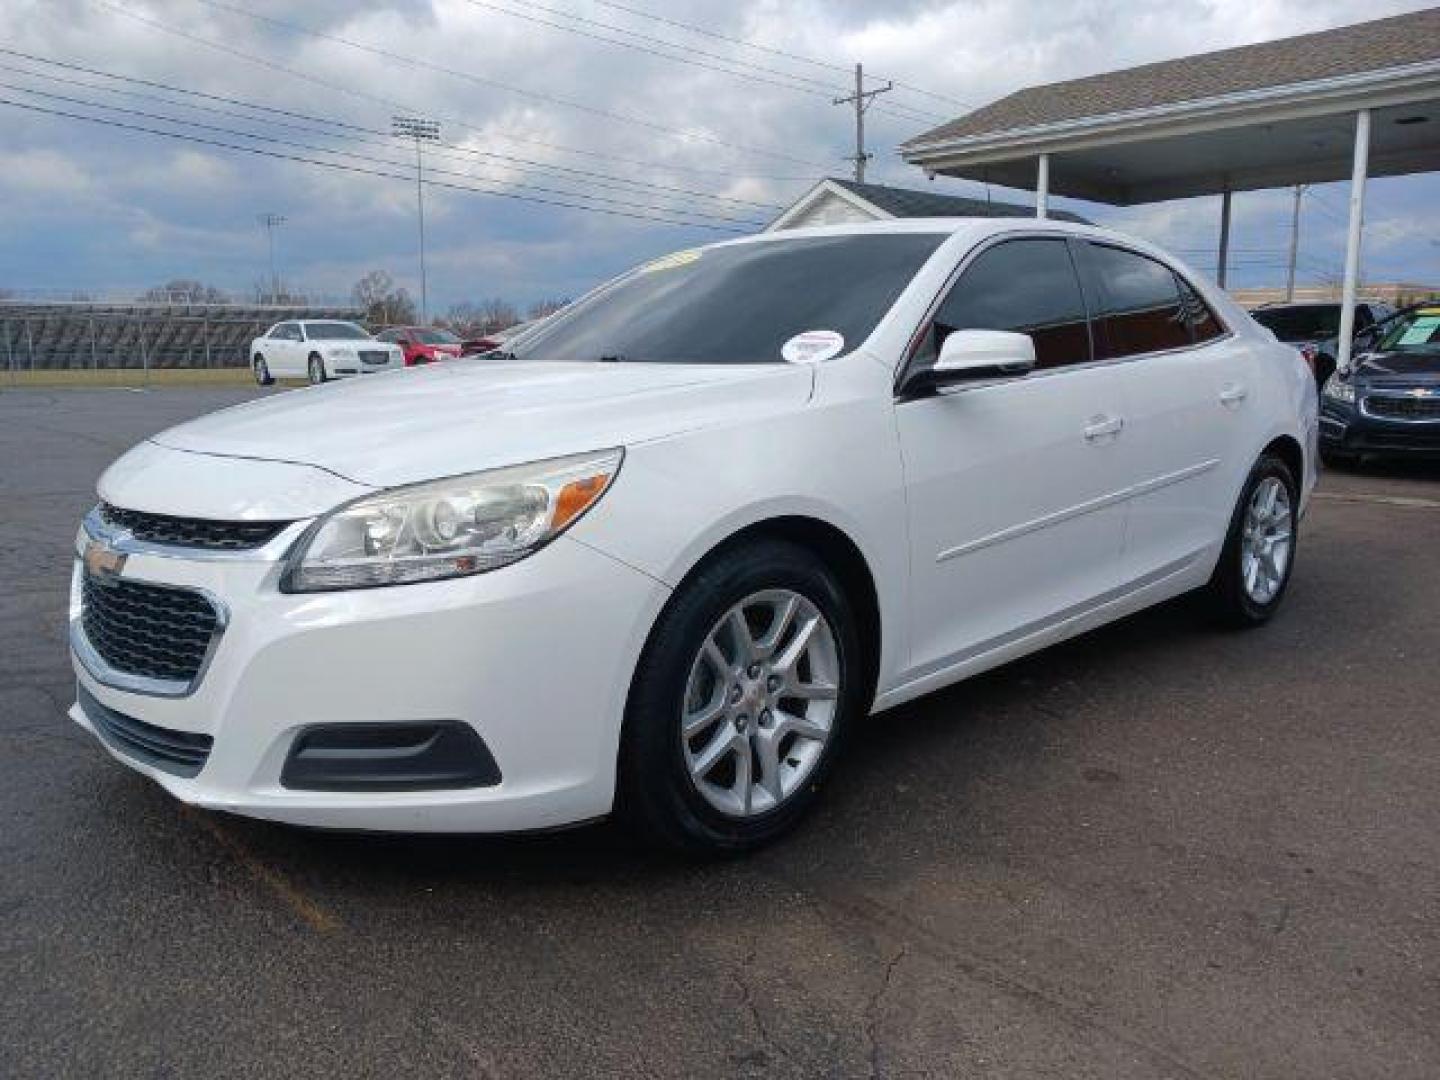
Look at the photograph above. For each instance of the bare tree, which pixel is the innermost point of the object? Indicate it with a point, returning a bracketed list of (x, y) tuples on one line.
[(497, 314), (541, 308), (184, 291), (384, 303)]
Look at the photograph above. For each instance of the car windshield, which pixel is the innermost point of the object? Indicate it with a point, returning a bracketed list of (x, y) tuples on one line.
[(738, 304), (335, 331), (1307, 323), (1416, 331), (436, 337)]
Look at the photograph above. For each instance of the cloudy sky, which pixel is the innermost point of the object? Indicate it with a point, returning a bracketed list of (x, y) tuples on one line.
[(677, 135)]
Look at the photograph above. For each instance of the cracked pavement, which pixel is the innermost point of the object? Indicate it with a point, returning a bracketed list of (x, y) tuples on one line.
[(1159, 850)]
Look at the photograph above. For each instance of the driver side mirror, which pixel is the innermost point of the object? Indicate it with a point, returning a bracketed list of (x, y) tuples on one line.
[(974, 356)]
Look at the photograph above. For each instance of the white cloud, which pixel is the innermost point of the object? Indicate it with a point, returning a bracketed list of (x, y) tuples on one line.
[(90, 201)]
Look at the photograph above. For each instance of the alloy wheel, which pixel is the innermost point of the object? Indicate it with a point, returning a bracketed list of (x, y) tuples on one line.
[(760, 702), (1267, 540)]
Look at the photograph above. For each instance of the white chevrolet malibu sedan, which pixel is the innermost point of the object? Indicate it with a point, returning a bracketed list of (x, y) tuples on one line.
[(320, 350), (663, 554)]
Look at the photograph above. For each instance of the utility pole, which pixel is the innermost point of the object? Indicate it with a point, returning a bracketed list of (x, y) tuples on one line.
[(421, 131), (271, 223), (861, 99), (1294, 243)]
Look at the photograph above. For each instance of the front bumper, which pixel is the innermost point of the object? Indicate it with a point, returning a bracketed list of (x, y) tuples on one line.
[(1351, 429), (536, 658)]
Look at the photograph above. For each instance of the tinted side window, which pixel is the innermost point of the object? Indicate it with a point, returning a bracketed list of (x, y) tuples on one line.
[(1204, 326), (1140, 308), (1028, 286), (287, 332)]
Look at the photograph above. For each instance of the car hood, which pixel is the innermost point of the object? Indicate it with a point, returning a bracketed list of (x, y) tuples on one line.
[(471, 415), (1398, 369)]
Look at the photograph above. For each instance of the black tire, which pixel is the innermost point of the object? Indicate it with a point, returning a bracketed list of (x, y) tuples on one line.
[(262, 371), (317, 370), (655, 793), (1226, 594)]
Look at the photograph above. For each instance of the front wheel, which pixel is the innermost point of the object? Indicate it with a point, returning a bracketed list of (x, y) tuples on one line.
[(740, 701), (1254, 570), (262, 371), (317, 370)]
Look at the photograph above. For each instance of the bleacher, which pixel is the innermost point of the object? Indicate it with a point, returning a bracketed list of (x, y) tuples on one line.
[(51, 335)]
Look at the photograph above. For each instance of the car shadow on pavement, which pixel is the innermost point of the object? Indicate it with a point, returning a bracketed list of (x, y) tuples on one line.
[(909, 764)]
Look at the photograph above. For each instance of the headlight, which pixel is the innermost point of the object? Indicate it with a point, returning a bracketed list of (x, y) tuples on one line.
[(449, 528), (340, 350), (1338, 389)]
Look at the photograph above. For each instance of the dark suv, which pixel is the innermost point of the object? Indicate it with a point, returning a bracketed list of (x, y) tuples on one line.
[(1314, 328)]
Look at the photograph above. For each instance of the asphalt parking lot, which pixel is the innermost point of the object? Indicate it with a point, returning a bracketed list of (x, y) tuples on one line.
[(1161, 850)]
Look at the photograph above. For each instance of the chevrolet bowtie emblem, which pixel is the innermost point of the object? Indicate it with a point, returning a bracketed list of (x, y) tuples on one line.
[(102, 561), (1421, 392)]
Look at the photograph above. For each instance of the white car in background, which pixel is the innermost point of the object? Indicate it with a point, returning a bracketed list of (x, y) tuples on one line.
[(320, 350), (665, 554)]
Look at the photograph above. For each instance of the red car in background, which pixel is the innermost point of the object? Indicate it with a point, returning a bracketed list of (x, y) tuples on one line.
[(422, 344), (494, 339)]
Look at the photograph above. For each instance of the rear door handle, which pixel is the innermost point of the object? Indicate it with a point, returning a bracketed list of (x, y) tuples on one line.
[(1101, 427), (1232, 394)]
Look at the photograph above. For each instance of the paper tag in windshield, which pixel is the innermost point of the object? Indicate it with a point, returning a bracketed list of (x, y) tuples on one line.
[(812, 347), (670, 262), (1422, 330)]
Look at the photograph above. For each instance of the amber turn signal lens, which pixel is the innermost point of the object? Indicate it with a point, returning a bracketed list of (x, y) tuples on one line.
[(575, 498)]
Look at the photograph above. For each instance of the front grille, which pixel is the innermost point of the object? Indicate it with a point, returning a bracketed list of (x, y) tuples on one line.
[(148, 631), (370, 357), (180, 753), (192, 532), (1404, 408)]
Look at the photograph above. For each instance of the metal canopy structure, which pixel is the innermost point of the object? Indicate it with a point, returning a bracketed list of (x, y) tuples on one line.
[(1354, 102)]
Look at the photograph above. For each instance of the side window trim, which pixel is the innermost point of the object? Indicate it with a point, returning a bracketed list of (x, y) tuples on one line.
[(1182, 284), (957, 273)]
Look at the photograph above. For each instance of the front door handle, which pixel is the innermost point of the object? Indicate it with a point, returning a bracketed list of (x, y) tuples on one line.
[(1101, 427), (1232, 394)]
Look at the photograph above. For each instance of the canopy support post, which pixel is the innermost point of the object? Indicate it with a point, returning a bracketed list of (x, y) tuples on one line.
[(1352, 240), (1222, 262), (1042, 187)]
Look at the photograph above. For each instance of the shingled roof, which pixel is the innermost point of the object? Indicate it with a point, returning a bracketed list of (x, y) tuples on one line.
[(1380, 45), (913, 203)]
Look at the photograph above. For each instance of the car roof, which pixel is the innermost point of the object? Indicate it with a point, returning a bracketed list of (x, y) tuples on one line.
[(975, 228)]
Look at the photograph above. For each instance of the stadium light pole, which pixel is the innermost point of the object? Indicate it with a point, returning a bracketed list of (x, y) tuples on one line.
[(422, 131), (271, 223)]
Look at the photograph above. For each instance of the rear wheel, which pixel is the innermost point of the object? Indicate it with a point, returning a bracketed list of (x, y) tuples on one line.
[(740, 701), (262, 371), (1254, 570), (317, 369)]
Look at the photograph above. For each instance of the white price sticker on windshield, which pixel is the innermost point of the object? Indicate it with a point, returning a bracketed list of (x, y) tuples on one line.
[(812, 347)]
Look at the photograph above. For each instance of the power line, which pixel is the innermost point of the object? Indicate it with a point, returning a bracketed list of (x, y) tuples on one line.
[(181, 121), (800, 83), (482, 80), (381, 138), (392, 104), (797, 82), (705, 32), (262, 152)]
